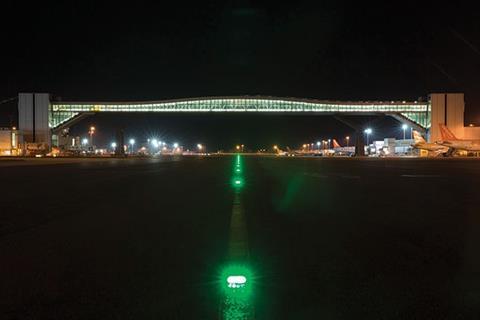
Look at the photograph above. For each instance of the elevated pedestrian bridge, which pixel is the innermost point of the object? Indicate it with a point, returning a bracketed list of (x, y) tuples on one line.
[(63, 114)]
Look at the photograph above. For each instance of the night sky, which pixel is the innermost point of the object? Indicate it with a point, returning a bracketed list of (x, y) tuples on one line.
[(87, 50)]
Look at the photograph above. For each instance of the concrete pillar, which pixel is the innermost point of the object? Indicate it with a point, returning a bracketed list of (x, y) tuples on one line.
[(359, 144), (33, 116)]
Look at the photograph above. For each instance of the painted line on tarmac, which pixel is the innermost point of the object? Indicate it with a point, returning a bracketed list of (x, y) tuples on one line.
[(237, 276), (421, 176), (238, 243), (323, 176)]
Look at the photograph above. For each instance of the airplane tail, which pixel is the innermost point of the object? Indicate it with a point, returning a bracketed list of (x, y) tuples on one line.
[(446, 133), (418, 137), (336, 144)]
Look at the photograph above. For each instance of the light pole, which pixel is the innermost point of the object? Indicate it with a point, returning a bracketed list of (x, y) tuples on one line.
[(368, 131), (348, 140), (114, 146), (404, 127), (91, 131), (132, 142), (329, 140), (199, 147), (84, 142), (318, 145)]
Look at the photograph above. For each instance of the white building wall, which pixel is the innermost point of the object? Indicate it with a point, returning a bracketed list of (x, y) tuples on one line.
[(42, 131), (447, 108), (455, 113), (33, 117), (25, 115), (472, 133), (437, 102)]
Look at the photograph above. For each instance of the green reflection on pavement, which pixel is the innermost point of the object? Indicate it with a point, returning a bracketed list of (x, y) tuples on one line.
[(236, 281), (237, 180)]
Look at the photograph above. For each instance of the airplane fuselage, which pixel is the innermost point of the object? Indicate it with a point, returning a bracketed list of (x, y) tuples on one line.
[(465, 145), (431, 147)]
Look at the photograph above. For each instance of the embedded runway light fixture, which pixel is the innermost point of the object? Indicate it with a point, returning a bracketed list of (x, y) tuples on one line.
[(236, 281)]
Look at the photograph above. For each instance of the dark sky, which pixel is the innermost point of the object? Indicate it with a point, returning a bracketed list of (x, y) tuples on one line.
[(92, 50)]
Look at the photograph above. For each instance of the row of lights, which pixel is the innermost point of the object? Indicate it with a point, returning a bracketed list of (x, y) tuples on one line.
[(367, 131), (155, 143), (326, 142)]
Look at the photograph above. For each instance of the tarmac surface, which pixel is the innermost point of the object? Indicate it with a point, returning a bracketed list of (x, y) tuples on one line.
[(322, 238)]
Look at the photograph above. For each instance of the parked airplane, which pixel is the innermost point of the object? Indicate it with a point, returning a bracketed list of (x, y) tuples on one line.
[(449, 140), (433, 148), (342, 151)]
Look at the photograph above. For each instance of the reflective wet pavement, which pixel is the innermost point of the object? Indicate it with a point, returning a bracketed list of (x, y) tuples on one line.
[(312, 238)]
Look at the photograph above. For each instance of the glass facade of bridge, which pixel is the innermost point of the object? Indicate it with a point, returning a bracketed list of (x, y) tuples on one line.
[(61, 112)]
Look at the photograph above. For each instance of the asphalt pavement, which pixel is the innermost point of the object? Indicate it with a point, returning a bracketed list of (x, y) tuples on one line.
[(327, 238)]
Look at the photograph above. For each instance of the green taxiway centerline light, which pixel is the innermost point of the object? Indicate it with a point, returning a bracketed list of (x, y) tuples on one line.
[(237, 182), (236, 281)]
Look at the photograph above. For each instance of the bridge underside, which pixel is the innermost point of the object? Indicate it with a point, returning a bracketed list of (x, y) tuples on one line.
[(417, 121)]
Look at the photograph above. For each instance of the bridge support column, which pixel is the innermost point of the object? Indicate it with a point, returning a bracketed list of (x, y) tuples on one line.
[(359, 138), (33, 114), (120, 150), (359, 144)]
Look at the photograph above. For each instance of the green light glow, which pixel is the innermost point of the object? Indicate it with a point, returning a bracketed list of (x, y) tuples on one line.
[(237, 287), (236, 281), (237, 182)]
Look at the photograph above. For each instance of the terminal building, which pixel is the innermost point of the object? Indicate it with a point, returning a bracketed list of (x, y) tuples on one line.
[(42, 120), (9, 142)]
